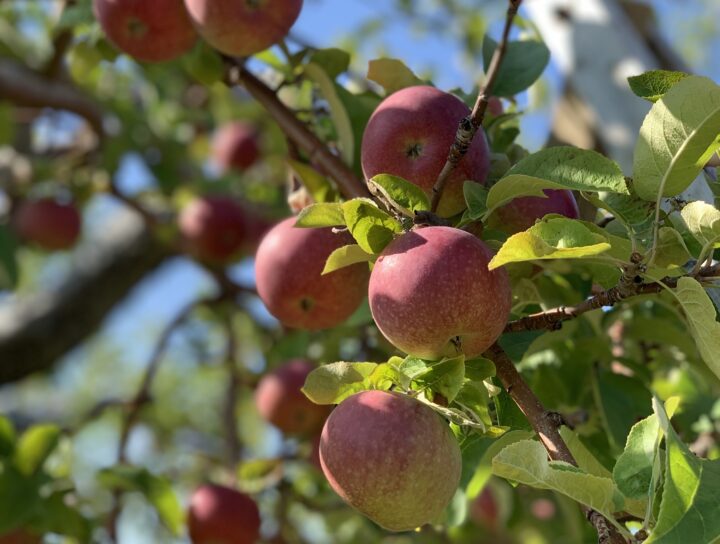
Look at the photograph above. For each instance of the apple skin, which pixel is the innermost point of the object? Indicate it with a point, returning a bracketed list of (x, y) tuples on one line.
[(410, 134), (235, 146), (243, 27), (484, 510), (495, 106), (280, 401), (220, 515), (213, 228), (288, 267), (390, 457), (48, 224), (521, 213), (432, 285), (155, 31)]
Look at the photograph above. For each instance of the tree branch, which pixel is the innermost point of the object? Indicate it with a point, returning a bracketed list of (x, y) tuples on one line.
[(546, 426), (350, 186), (469, 125), (231, 397)]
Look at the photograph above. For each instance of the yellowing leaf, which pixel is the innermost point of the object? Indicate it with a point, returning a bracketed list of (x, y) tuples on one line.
[(703, 222), (345, 256), (392, 75)]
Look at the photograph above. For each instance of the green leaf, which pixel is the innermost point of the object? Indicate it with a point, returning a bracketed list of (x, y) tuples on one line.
[(333, 60), (677, 137), (319, 186), (671, 249), (328, 214), (7, 437), (445, 377), (400, 193), (256, 475), (392, 75), (359, 108), (585, 459), (523, 64), (526, 462), (553, 238), (654, 84), (689, 507), (55, 516), (8, 261), (204, 64), (346, 256), (34, 447), (7, 126), (634, 213), (476, 199), (334, 382), (700, 314), (703, 222), (371, 227), (477, 454), (338, 112), (479, 369), (156, 489), (19, 497)]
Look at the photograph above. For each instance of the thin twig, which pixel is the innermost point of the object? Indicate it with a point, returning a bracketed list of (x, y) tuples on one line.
[(469, 125), (231, 396), (318, 153), (547, 428)]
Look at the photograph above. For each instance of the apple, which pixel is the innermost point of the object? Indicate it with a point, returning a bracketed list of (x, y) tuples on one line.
[(521, 213), (485, 510), (213, 228), (243, 27), (280, 401), (390, 457), (154, 31), (257, 225), (495, 106), (288, 273), (220, 515), (432, 295), (410, 134), (47, 223), (235, 146), (20, 536)]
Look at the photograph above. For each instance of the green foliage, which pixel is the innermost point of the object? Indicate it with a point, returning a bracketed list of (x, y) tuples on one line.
[(653, 85), (523, 64), (371, 227), (345, 256), (399, 193), (321, 215), (392, 75), (8, 260)]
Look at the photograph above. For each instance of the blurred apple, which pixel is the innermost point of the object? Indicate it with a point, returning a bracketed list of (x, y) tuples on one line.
[(220, 515), (48, 224)]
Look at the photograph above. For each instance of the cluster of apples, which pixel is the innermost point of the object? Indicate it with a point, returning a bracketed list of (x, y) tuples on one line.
[(163, 30)]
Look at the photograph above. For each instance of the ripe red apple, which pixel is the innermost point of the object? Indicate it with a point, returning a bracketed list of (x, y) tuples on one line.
[(147, 31), (48, 224), (288, 267), (391, 457), (213, 228), (280, 401), (243, 27), (431, 294), (410, 134), (220, 515), (521, 213), (235, 145), (485, 510)]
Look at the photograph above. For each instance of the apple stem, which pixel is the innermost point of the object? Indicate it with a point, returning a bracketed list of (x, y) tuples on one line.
[(546, 424), (469, 126)]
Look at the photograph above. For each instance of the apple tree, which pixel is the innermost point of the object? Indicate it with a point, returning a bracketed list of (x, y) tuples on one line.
[(412, 328)]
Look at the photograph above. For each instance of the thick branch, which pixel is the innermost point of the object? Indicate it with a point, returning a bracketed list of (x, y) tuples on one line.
[(470, 125), (546, 426), (23, 87), (318, 152)]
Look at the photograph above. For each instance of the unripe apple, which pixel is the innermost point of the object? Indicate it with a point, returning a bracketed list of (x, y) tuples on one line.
[(288, 273), (235, 146), (20, 536), (521, 213), (220, 515), (147, 31), (213, 228), (432, 295), (410, 134), (48, 224), (280, 401), (243, 27), (390, 457)]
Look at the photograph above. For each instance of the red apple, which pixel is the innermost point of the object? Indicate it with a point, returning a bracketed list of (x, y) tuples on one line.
[(495, 106), (48, 224), (410, 134), (213, 228), (235, 145), (288, 267), (243, 27), (257, 225), (521, 213), (390, 457), (220, 515), (280, 401), (149, 31), (432, 296), (484, 509)]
